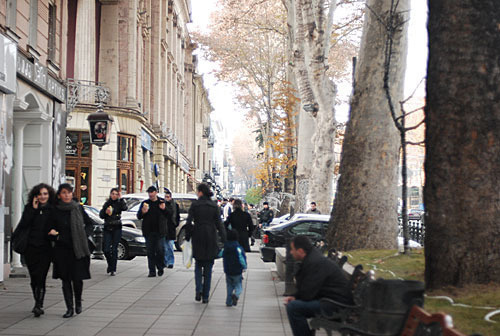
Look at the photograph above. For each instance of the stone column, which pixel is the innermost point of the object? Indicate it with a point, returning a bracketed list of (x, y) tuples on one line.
[(17, 206), (85, 41), (131, 99)]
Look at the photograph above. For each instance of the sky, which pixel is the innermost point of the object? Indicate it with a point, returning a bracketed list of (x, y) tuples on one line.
[(222, 95)]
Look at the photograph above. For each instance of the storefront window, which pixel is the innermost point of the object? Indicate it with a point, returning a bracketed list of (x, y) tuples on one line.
[(125, 163), (79, 164)]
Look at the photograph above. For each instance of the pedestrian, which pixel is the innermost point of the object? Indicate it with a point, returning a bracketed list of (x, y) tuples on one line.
[(38, 252), (240, 221), (317, 277), (266, 216), (70, 227), (202, 224), (111, 212), (154, 213), (235, 262), (172, 224), (228, 208), (253, 213), (313, 209)]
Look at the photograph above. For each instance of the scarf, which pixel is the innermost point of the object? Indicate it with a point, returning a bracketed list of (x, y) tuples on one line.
[(78, 235)]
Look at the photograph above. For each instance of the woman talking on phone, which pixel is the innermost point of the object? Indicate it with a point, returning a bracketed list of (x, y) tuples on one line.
[(38, 252), (111, 212), (70, 228)]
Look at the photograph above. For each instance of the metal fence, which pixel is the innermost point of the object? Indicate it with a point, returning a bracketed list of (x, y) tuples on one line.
[(416, 229)]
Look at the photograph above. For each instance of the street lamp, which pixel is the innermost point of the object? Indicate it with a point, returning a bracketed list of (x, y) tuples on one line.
[(100, 127)]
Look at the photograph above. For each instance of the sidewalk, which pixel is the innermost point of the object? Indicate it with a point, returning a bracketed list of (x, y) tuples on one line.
[(132, 304)]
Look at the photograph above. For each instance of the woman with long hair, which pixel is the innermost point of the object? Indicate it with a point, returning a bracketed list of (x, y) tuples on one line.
[(70, 228), (240, 221), (202, 224), (111, 212), (38, 253)]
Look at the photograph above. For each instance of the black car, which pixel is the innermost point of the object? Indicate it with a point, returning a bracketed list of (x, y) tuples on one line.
[(131, 245), (312, 226)]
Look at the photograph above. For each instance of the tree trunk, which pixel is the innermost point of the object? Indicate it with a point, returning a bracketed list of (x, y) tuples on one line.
[(312, 23), (365, 213), (462, 188)]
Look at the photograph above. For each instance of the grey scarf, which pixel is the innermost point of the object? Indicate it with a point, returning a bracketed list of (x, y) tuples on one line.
[(78, 235)]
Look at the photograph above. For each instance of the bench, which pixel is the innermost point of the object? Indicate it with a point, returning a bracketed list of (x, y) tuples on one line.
[(380, 306), (421, 323)]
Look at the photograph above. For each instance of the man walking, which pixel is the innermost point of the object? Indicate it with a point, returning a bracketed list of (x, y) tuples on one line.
[(228, 208), (313, 210), (318, 277), (266, 216), (172, 224), (154, 214), (253, 213)]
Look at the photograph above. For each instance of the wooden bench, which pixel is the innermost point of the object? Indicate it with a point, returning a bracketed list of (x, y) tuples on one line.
[(421, 323)]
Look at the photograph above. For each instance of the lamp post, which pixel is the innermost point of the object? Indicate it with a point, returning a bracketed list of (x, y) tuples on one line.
[(100, 122)]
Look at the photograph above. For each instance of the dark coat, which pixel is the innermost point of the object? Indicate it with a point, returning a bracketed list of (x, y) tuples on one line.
[(202, 224), (266, 216), (241, 221), (37, 222), (66, 266), (113, 222), (231, 258), (38, 254), (319, 277), (155, 220), (173, 220)]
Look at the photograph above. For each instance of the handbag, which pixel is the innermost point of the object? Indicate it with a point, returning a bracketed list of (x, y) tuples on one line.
[(20, 239)]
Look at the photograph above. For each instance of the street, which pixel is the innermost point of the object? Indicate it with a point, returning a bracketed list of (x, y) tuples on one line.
[(132, 304)]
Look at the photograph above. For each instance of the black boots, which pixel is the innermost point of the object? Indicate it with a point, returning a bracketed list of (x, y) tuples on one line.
[(78, 288), (68, 298), (38, 295)]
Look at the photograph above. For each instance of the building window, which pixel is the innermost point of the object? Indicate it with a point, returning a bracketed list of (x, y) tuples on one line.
[(79, 164), (33, 32), (125, 173), (52, 32)]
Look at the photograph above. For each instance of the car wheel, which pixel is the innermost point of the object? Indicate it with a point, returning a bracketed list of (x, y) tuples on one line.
[(123, 250), (180, 239)]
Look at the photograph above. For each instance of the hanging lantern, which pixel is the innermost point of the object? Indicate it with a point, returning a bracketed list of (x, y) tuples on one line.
[(100, 127)]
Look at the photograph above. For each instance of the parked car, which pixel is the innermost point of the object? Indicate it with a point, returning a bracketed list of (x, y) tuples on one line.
[(131, 245), (280, 220), (134, 202), (415, 213), (312, 226), (95, 211)]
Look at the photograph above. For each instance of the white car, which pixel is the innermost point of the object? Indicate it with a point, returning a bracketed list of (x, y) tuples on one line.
[(134, 202)]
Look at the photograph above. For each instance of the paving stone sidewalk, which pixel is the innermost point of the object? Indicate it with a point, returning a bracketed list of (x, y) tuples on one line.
[(132, 304)]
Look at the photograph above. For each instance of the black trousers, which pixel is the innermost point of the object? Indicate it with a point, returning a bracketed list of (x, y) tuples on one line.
[(38, 260), (155, 251), (110, 247)]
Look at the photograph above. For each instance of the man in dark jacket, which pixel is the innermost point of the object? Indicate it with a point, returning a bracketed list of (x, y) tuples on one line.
[(318, 277), (172, 224), (266, 216), (154, 213)]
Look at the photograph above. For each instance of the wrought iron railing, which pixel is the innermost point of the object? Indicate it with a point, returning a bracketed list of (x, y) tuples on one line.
[(85, 92), (416, 229)]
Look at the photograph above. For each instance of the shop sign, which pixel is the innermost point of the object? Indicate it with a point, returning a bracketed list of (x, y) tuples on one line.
[(37, 74), (146, 140), (71, 148), (99, 132), (184, 164), (8, 53)]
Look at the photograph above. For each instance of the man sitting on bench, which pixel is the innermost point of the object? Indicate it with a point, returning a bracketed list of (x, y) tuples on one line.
[(318, 277)]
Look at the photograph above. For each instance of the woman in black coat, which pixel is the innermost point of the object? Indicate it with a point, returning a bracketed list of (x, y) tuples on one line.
[(111, 212), (206, 217), (70, 228), (38, 253), (240, 221)]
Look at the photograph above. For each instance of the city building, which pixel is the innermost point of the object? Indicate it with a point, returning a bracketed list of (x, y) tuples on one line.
[(134, 59)]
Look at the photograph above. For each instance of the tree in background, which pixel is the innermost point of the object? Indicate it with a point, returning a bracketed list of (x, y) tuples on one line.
[(244, 152), (364, 215), (462, 185), (254, 195), (311, 33)]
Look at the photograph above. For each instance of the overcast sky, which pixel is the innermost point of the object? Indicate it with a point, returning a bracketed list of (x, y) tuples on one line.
[(222, 95)]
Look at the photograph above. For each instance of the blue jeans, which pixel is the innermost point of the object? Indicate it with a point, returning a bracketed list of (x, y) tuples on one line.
[(169, 252), (298, 312), (233, 284), (155, 252), (110, 247), (203, 277)]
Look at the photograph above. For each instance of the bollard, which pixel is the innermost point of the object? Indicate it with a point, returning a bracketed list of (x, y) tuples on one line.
[(98, 254), (289, 271)]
